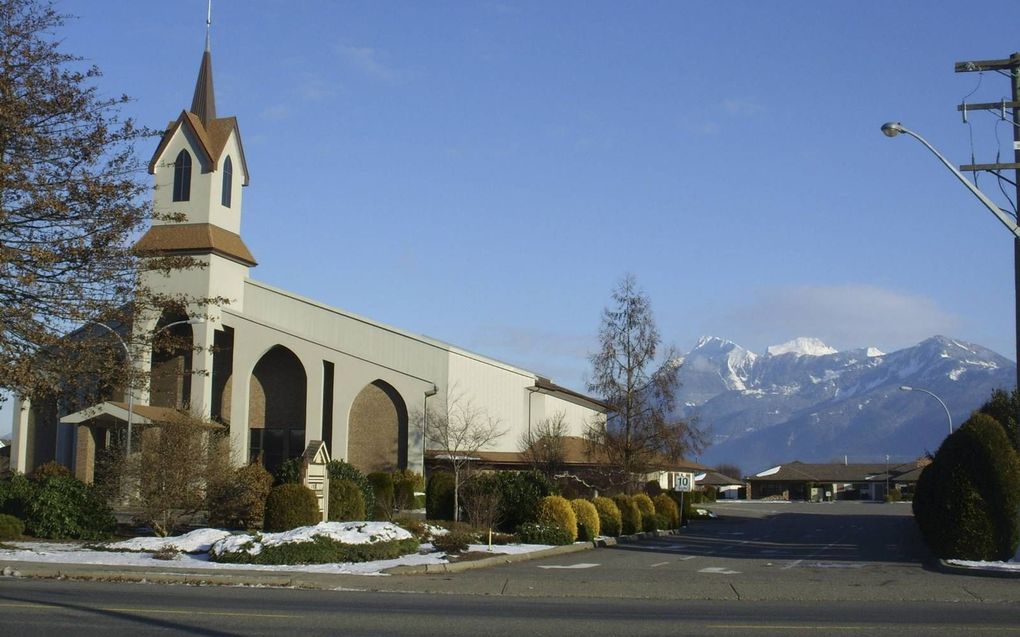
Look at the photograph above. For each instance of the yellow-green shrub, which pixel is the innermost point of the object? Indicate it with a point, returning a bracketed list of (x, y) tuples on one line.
[(647, 509), (667, 510), (630, 515), (609, 516), (588, 526), (290, 506), (556, 511)]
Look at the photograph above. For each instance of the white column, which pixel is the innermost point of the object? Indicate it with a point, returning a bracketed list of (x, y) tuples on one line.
[(21, 412), (202, 365)]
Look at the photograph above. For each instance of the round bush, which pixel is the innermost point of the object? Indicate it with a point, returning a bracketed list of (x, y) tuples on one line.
[(51, 469), (452, 542), (290, 506), (382, 488), (554, 510), (346, 501), (439, 496), (11, 528), (519, 494), (64, 508), (668, 511), (588, 527), (647, 509), (609, 516), (239, 502), (966, 500), (405, 484), (630, 515), (340, 470)]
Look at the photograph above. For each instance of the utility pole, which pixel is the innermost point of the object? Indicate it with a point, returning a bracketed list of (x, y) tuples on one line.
[(1011, 67)]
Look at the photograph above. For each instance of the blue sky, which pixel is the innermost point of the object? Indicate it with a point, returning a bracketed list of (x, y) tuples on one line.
[(485, 172)]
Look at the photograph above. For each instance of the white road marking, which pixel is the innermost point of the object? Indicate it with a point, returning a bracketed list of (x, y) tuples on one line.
[(581, 565), (792, 565), (658, 564), (719, 570)]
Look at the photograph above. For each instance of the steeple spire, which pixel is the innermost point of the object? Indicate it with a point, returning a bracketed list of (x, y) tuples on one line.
[(203, 104)]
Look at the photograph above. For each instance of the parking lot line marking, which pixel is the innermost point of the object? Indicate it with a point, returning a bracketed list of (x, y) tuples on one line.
[(658, 564), (582, 565), (792, 565)]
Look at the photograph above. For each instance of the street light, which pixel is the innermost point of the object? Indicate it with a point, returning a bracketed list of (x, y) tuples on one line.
[(892, 129), (906, 388), (128, 358)]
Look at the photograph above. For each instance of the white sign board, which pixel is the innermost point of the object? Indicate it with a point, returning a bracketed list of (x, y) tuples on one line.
[(683, 482)]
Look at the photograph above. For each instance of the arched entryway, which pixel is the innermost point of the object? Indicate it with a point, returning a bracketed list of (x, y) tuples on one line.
[(276, 408), (377, 429)]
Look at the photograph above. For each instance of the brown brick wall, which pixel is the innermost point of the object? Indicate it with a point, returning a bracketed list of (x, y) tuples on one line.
[(377, 430)]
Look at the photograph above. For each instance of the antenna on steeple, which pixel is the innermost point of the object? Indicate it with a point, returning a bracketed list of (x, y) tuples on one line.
[(208, 25)]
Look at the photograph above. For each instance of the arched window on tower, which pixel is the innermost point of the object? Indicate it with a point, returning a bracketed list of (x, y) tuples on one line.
[(228, 181), (182, 177)]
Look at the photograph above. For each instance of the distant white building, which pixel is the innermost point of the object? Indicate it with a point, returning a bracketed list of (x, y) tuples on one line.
[(277, 368)]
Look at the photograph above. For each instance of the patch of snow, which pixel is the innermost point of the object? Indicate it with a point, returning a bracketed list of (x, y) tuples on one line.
[(346, 532), (769, 472), (874, 352), (802, 346), (198, 541), (1013, 567), (956, 373)]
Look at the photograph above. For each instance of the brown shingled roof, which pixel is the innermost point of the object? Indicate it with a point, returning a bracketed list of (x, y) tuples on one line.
[(195, 238)]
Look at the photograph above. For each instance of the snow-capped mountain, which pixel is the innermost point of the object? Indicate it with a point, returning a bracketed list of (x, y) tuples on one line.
[(804, 400)]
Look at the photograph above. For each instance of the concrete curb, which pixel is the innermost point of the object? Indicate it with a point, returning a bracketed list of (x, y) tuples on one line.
[(495, 560), (977, 571)]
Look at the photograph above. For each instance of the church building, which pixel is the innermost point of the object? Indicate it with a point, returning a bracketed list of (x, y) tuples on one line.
[(279, 370)]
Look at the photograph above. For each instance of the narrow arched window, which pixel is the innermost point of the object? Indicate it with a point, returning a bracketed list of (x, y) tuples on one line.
[(228, 181), (182, 177)]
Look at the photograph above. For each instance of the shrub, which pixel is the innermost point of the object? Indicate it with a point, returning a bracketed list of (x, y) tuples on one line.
[(966, 500), (51, 469), (652, 488), (340, 470), (668, 510), (414, 526), (684, 503), (405, 484), (519, 494), (346, 501), (481, 501), (239, 500), (610, 520), (319, 550), (11, 528), (556, 511), (630, 515), (439, 496), (453, 542), (15, 493), (588, 527), (289, 472), (893, 495), (537, 533), (290, 506), (64, 508), (647, 509), (382, 489)]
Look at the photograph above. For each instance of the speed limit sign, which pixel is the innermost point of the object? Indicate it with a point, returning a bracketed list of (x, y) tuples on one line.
[(684, 482)]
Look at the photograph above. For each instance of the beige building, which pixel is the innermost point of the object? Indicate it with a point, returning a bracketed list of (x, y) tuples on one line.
[(278, 369)]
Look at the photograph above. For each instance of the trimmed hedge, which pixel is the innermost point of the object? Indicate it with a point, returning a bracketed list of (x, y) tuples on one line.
[(610, 520), (439, 496), (453, 542), (588, 527), (341, 470), (290, 506), (320, 550), (11, 528), (405, 484), (667, 511), (520, 493), (62, 507), (647, 508), (630, 515), (536, 533), (554, 510), (966, 500), (346, 501)]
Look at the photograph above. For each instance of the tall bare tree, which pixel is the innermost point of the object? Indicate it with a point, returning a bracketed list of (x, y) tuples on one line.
[(640, 433), (457, 430), (72, 199), (544, 445)]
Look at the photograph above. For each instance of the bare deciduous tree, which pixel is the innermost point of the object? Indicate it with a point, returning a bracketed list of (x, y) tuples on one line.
[(640, 432), (543, 446), (457, 430)]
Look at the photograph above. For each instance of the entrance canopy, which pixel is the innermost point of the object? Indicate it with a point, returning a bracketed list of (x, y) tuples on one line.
[(115, 414)]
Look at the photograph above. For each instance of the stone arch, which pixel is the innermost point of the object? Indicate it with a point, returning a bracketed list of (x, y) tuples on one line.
[(171, 363), (377, 429), (276, 407)]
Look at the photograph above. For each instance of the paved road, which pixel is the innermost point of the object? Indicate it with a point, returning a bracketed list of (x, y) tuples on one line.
[(844, 568)]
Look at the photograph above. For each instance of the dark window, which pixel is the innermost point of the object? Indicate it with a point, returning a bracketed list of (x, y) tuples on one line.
[(182, 177), (327, 404), (228, 181)]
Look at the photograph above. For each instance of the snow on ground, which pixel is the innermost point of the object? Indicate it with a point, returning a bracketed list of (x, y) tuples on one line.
[(1012, 567), (346, 532), (194, 547)]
